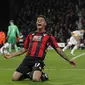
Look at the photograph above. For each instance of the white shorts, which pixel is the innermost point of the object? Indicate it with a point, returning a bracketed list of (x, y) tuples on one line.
[(73, 41)]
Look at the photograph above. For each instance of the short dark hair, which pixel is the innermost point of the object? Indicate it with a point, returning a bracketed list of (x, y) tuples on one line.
[(11, 21), (45, 20), (43, 17)]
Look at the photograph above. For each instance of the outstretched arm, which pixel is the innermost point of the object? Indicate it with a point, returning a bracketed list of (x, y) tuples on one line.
[(54, 44), (63, 55), (8, 56)]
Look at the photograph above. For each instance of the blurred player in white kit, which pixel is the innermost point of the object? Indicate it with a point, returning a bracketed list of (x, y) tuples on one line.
[(77, 35), (4, 49)]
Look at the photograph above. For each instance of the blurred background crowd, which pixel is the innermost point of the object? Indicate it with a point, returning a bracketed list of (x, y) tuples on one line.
[(63, 16)]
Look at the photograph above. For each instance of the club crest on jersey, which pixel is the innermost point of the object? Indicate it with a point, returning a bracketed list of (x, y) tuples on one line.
[(37, 38)]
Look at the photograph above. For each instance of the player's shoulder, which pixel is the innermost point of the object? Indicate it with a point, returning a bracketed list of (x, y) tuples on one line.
[(49, 34), (75, 31), (9, 26), (31, 33), (44, 33), (16, 26)]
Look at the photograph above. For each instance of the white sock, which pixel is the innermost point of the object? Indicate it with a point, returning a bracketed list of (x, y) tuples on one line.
[(74, 48), (65, 48)]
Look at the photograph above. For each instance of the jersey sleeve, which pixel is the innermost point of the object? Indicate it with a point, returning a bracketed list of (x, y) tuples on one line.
[(53, 42), (26, 43)]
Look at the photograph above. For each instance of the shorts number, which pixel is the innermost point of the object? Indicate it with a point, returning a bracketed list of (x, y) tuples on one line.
[(37, 64)]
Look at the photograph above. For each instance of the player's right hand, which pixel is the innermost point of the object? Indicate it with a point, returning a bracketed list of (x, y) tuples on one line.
[(7, 56)]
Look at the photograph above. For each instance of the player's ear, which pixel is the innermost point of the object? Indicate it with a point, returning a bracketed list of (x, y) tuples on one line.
[(45, 23)]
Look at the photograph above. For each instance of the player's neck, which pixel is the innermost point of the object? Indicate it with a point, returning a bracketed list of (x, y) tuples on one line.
[(40, 30)]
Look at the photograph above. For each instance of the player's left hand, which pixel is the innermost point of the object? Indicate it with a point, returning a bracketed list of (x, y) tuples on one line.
[(72, 63)]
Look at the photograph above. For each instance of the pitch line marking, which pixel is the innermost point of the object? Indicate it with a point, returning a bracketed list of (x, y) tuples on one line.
[(78, 56), (10, 69)]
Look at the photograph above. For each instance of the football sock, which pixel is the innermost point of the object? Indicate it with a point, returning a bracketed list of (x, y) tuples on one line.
[(44, 77), (10, 49), (24, 76), (16, 48), (74, 48), (65, 48)]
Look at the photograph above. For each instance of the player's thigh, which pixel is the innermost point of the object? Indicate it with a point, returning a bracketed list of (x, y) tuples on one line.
[(12, 40), (73, 41), (24, 67), (69, 44), (16, 76)]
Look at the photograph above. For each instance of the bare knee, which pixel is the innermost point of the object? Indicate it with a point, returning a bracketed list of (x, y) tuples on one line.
[(16, 76), (36, 76), (36, 79)]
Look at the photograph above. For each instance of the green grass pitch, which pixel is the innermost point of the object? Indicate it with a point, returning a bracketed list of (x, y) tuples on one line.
[(60, 72)]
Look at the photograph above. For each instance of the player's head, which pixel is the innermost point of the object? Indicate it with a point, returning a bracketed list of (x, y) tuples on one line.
[(11, 22), (41, 22)]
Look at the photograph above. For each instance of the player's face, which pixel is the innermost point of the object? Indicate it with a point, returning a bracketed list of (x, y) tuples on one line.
[(41, 23)]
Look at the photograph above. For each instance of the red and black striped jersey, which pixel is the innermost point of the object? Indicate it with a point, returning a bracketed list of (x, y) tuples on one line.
[(37, 44)]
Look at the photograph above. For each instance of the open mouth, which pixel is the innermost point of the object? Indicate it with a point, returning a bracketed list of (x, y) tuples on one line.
[(39, 24)]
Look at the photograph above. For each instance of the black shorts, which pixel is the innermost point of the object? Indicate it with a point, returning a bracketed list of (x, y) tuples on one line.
[(30, 64)]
